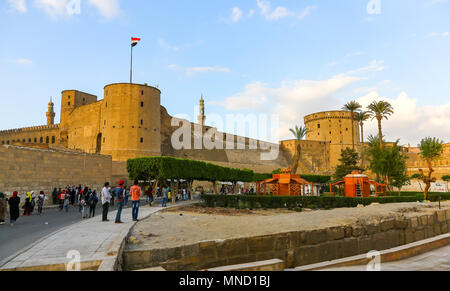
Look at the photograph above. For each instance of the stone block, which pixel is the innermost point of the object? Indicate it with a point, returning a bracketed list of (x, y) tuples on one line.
[(233, 248), (431, 220), (380, 241), (158, 255), (316, 236), (282, 242), (424, 220), (440, 216), (335, 233), (419, 235), (349, 247), (365, 244), (393, 238), (444, 228), (328, 251), (306, 255), (429, 231), (413, 222), (348, 231), (409, 236), (437, 229), (401, 223), (357, 231), (386, 225), (372, 229), (260, 244)]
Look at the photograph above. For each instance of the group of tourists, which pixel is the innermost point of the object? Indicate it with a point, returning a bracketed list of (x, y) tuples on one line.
[(86, 200), (120, 195)]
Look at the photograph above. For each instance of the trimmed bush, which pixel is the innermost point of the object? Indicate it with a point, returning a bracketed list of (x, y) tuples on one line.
[(294, 203)]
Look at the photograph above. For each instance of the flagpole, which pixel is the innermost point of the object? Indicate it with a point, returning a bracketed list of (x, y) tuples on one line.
[(131, 65)]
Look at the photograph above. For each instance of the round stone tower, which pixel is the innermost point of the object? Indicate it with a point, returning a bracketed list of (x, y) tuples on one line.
[(335, 128), (130, 121)]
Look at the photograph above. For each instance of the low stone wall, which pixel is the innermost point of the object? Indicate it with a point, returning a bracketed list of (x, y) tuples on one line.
[(295, 248), (30, 169)]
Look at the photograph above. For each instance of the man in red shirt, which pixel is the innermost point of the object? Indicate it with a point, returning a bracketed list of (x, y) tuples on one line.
[(136, 192)]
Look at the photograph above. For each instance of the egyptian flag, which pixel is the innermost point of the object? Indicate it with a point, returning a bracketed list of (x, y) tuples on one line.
[(135, 41)]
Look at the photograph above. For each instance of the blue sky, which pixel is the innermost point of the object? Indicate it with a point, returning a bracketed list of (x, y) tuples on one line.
[(264, 57)]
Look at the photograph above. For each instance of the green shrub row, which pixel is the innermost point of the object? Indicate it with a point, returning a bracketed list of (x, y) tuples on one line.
[(294, 203), (433, 196), (165, 168)]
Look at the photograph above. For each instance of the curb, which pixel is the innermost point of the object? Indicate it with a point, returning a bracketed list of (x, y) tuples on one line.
[(391, 255)]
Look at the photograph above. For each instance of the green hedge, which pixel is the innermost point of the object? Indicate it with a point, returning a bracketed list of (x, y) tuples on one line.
[(165, 168), (294, 203), (432, 196)]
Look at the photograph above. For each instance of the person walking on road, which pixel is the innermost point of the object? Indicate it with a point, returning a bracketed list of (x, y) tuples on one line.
[(136, 192), (40, 202), (106, 200), (61, 198), (165, 194), (119, 194), (27, 206), (92, 202), (66, 201), (14, 211), (3, 209)]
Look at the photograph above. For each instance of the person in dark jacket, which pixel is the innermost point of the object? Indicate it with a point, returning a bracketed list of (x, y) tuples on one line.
[(14, 211), (55, 196), (92, 202)]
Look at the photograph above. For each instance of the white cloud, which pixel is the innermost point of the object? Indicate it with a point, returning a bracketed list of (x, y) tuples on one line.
[(66, 8), (411, 122), (107, 8), (58, 8), (18, 5), (24, 61), (162, 43), (281, 11), (236, 14)]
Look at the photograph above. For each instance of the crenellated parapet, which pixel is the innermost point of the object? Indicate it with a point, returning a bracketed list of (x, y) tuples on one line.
[(29, 129)]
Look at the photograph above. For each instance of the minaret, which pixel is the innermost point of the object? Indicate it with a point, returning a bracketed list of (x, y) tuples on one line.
[(202, 117), (51, 113)]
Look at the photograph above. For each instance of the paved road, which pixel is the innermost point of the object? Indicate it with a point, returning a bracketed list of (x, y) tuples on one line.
[(30, 229), (437, 260)]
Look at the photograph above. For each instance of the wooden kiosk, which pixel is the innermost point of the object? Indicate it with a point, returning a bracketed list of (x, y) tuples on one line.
[(358, 185), (284, 184)]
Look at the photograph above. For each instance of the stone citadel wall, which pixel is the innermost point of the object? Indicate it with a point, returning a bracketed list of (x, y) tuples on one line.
[(130, 122), (30, 169)]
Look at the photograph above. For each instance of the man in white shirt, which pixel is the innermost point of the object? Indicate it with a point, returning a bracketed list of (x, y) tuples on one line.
[(106, 200)]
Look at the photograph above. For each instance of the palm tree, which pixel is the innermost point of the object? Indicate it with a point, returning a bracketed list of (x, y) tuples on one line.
[(362, 117), (380, 110), (352, 106), (299, 133), (431, 150)]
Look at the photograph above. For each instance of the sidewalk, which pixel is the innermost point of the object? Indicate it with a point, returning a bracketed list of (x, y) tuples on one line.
[(97, 242)]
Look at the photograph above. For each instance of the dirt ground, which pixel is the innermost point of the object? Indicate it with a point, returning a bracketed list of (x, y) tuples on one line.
[(191, 224)]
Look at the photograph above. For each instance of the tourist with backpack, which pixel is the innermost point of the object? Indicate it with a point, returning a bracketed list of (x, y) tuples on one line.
[(135, 192), (119, 194)]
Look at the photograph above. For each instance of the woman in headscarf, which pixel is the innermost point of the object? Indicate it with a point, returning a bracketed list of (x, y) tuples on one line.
[(33, 202), (27, 206), (14, 211), (3, 209)]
